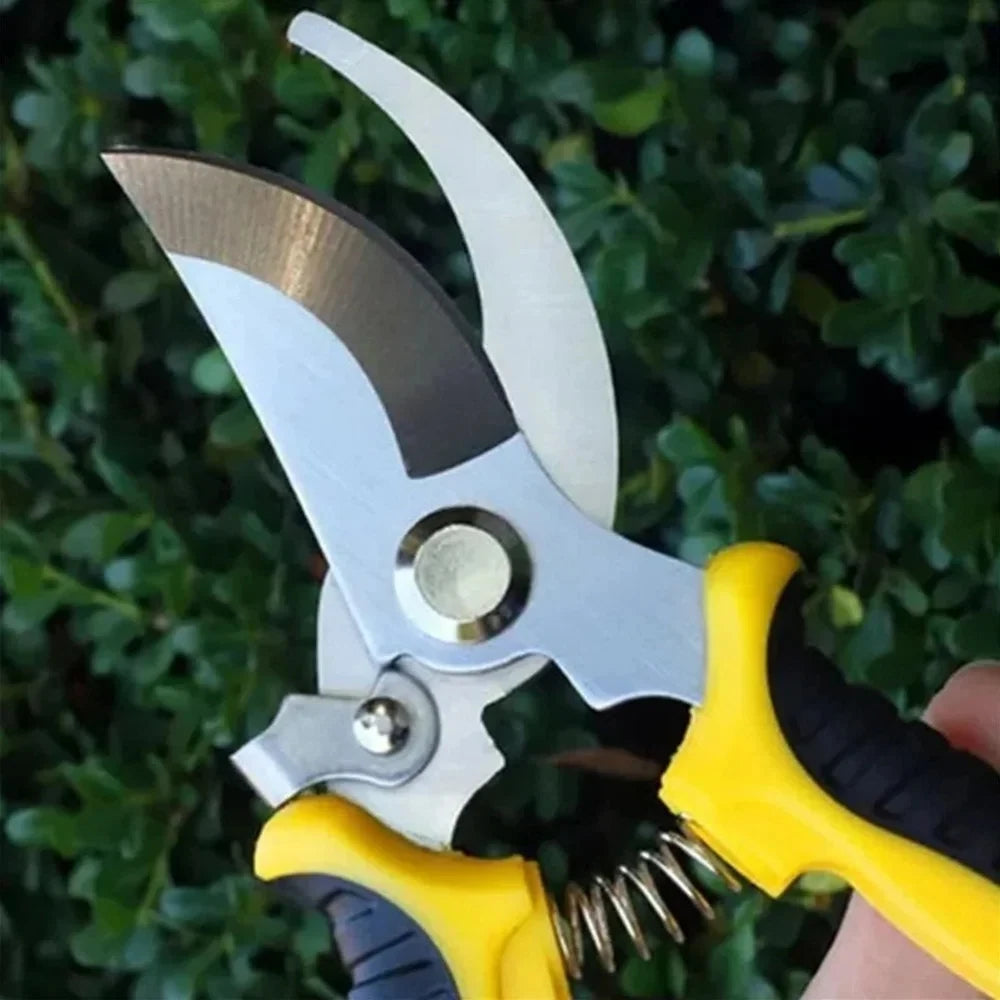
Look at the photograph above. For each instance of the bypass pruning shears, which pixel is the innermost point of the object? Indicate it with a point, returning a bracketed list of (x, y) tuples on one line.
[(462, 494)]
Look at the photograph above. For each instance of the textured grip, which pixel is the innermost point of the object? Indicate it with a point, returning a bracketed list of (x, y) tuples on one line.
[(386, 953), (413, 923), (787, 769), (902, 776)]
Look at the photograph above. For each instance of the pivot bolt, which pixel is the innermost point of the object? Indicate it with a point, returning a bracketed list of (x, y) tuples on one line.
[(462, 574), (381, 725)]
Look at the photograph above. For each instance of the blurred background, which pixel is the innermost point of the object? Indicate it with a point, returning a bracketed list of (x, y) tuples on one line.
[(788, 215)]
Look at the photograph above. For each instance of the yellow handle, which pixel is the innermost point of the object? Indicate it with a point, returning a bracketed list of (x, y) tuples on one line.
[(742, 787), (488, 919)]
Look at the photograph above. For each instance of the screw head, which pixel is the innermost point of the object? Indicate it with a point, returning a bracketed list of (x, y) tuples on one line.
[(462, 574), (381, 725)]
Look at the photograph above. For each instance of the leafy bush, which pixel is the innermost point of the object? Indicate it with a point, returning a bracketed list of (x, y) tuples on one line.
[(787, 213)]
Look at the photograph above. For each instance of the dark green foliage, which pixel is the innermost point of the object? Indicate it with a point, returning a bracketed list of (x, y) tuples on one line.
[(788, 215)]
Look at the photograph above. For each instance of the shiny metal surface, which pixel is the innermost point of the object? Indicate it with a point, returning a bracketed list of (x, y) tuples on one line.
[(540, 329), (381, 725), (549, 353), (311, 742), (542, 336), (591, 910), (438, 392), (462, 574), (426, 807), (621, 621)]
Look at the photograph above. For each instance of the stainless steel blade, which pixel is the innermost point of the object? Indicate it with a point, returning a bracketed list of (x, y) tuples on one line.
[(590, 589), (540, 329), (542, 336), (428, 806), (439, 394)]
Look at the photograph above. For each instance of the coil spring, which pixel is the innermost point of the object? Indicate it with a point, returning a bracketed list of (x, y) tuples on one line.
[(586, 909)]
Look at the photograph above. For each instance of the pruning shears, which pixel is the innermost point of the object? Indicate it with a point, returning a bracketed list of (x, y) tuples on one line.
[(462, 491)]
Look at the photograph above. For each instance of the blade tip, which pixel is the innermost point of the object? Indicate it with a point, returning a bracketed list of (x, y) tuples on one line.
[(303, 22), (329, 41), (114, 159)]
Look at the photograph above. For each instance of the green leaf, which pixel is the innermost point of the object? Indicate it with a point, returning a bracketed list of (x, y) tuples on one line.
[(634, 113), (846, 608), (883, 277), (118, 480), (549, 792), (43, 826), (93, 947), (952, 160), (811, 298), (985, 442), (140, 949), (861, 166), (10, 387), (693, 54), (964, 295), (303, 86), (869, 641), (97, 537), (211, 373), (36, 110), (748, 185), (850, 324), (821, 884), (684, 443), (193, 906), (749, 248), (977, 635), (794, 87), (907, 591), (149, 76), (554, 862), (129, 291), (731, 963), (21, 576), (416, 12), (983, 124), (235, 427), (792, 40), (799, 496), (639, 977), (973, 220), (833, 187)]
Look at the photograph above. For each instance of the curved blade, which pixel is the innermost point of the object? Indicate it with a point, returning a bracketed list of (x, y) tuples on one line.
[(540, 330), (439, 394)]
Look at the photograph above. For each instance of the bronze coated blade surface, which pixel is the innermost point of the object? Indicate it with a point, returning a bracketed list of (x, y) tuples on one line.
[(438, 391), (539, 326)]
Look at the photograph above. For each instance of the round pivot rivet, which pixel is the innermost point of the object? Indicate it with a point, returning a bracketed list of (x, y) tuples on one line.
[(462, 574), (381, 725)]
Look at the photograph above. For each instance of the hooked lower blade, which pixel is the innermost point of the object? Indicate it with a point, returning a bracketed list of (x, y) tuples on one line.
[(438, 392), (540, 329)]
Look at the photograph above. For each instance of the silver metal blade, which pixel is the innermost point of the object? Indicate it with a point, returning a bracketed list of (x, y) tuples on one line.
[(438, 392), (428, 806), (539, 326), (542, 336)]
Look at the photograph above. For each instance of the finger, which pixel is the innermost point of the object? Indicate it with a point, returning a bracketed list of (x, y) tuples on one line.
[(869, 958), (967, 710)]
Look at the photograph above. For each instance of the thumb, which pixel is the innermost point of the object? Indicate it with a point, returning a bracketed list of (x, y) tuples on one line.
[(871, 959)]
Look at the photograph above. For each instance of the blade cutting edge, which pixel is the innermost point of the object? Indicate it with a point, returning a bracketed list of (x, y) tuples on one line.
[(439, 393), (540, 329)]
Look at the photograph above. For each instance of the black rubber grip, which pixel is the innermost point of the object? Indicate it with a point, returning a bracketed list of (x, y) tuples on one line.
[(387, 954), (902, 776)]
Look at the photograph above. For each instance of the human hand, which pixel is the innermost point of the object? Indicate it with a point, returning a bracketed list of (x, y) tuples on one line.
[(869, 958)]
